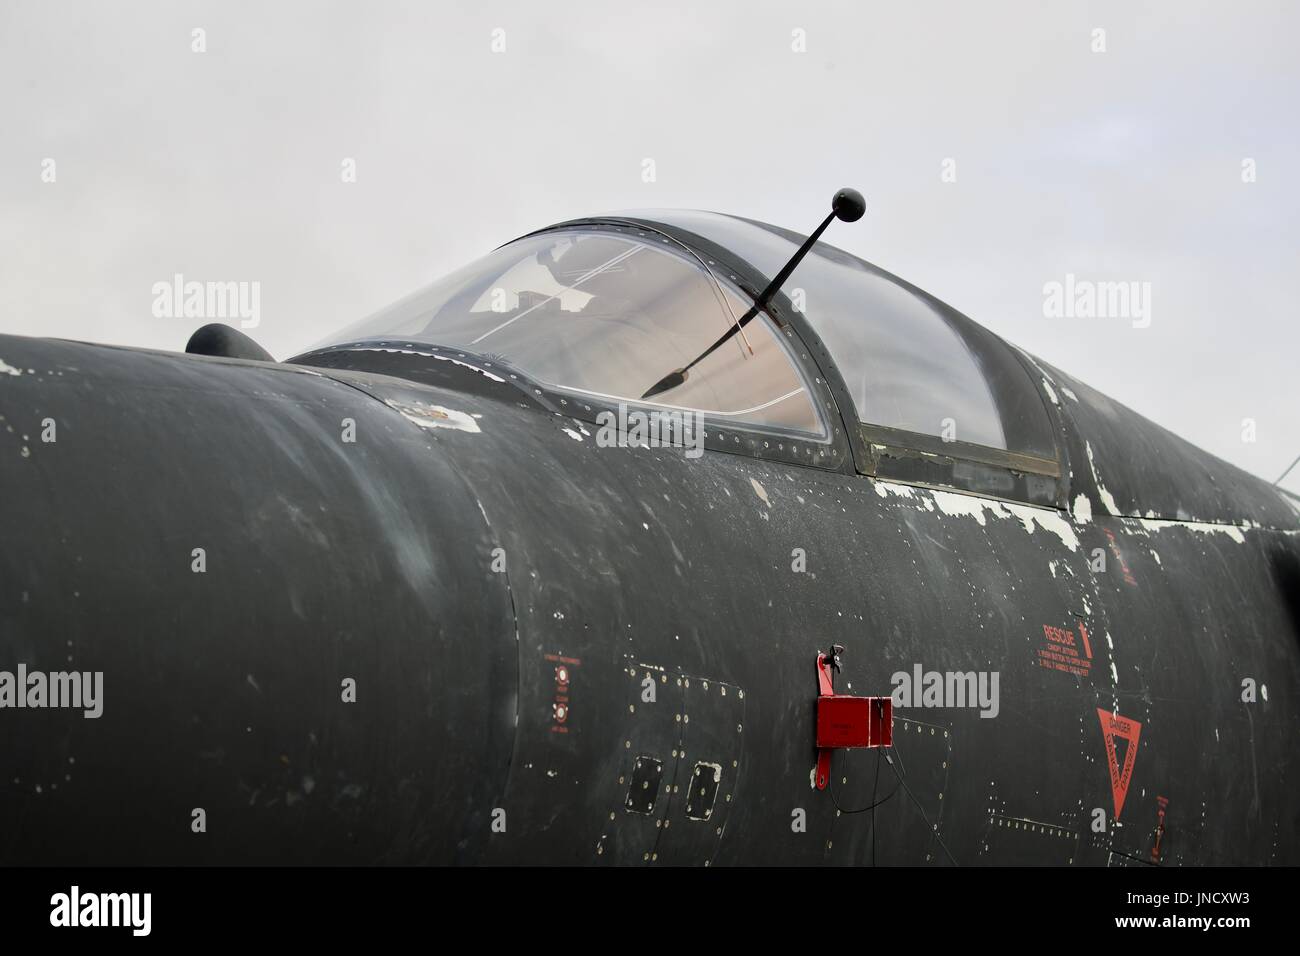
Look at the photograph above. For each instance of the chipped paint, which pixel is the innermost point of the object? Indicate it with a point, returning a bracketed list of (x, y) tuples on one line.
[(1082, 509), (1051, 392), (1069, 394), (432, 355), (967, 506), (435, 416), (1107, 499), (1047, 519), (1233, 531), (972, 506), (7, 369), (572, 434), (887, 488), (472, 368), (761, 492)]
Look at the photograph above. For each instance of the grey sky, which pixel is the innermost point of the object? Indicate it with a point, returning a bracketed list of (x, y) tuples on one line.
[(1122, 165)]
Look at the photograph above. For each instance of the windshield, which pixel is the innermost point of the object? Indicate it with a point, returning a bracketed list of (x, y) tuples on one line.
[(910, 362), (608, 314)]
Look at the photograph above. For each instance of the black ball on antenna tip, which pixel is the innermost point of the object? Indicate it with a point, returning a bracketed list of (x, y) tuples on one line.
[(848, 205)]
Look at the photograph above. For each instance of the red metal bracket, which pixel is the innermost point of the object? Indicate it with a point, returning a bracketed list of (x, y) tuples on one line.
[(844, 721)]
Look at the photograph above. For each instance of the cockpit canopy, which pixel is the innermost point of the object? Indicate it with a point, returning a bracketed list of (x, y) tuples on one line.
[(607, 307), (911, 362), (607, 313)]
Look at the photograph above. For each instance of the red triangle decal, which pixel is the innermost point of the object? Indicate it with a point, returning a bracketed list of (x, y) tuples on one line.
[(1112, 726)]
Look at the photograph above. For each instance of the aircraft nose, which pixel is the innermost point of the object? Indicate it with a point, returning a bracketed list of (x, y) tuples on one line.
[(239, 637)]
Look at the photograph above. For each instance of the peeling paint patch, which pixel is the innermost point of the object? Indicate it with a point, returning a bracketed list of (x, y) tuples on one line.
[(7, 369), (1049, 521), (1205, 527), (435, 416), (1069, 394), (972, 506), (1107, 499), (761, 492), (1030, 517), (1051, 392), (967, 506), (572, 434), (432, 355), (472, 368), (1082, 509), (887, 488)]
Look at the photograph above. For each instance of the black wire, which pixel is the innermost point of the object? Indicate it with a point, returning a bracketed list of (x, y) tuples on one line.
[(873, 806), (1288, 470), (921, 810), (874, 785)]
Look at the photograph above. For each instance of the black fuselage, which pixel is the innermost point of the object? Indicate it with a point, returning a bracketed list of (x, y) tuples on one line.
[(435, 642)]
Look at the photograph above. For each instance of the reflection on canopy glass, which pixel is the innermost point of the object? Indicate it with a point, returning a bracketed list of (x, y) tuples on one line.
[(607, 315), (904, 364), (910, 362)]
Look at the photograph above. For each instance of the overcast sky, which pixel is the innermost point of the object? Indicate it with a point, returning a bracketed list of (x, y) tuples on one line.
[(1128, 164)]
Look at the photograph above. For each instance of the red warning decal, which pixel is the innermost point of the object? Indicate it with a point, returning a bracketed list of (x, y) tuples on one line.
[(1112, 726), (1060, 652)]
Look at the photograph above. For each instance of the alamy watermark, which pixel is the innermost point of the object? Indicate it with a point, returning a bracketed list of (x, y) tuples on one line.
[(1085, 299), (947, 689), (657, 428), (179, 299), (78, 690), (75, 908)]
